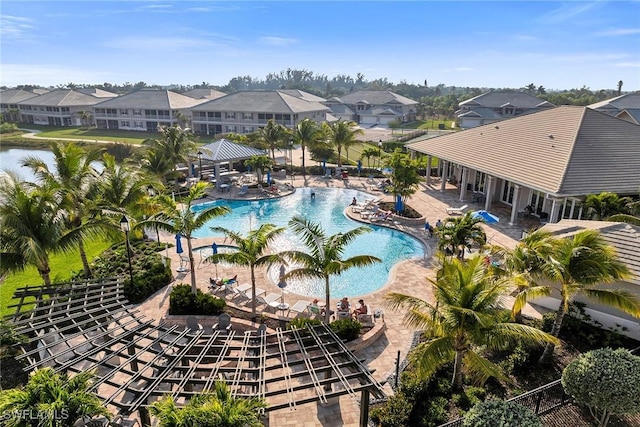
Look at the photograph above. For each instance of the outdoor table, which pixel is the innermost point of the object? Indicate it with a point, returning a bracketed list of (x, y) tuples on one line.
[(224, 187), (283, 307)]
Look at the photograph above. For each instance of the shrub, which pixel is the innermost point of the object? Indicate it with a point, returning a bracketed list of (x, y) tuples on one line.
[(183, 301), (500, 413), (346, 329), (394, 413), (617, 375), (302, 322)]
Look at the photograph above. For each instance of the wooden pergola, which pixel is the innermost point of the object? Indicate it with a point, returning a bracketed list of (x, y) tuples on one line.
[(83, 326)]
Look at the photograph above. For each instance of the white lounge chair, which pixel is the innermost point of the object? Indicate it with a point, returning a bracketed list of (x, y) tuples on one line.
[(300, 306), (268, 299), (243, 190), (456, 211)]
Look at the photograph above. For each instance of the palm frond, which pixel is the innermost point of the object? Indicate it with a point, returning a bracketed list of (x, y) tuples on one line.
[(428, 356), (618, 298), (480, 369)]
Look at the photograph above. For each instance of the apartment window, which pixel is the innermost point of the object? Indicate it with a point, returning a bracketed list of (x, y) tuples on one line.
[(508, 111), (507, 192), (137, 112), (247, 129), (231, 129), (112, 111), (64, 109), (266, 116), (124, 112), (138, 125), (230, 115), (124, 124), (536, 201), (247, 116)]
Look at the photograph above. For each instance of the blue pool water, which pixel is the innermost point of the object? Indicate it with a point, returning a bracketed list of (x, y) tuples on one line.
[(327, 209)]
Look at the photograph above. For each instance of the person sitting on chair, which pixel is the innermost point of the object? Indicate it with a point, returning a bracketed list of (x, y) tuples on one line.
[(361, 309), (343, 306)]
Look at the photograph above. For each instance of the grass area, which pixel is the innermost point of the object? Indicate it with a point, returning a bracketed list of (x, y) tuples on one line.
[(62, 267), (128, 137), (355, 153)]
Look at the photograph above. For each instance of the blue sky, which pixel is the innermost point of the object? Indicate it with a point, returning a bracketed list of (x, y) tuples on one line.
[(559, 45)]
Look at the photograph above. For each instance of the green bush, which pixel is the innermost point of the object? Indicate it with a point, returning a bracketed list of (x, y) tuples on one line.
[(302, 322), (394, 413), (500, 413), (605, 380), (346, 329), (183, 301)]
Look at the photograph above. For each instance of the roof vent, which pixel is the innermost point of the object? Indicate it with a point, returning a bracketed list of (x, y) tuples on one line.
[(550, 136), (497, 127)]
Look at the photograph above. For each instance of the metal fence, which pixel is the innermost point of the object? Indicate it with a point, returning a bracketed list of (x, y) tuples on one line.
[(540, 400)]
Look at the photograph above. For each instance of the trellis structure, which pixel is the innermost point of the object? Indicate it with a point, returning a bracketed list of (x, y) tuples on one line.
[(89, 325)]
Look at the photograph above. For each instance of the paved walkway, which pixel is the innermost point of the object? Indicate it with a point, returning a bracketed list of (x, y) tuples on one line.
[(408, 277)]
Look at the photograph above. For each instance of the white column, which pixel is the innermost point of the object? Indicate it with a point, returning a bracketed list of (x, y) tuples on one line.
[(514, 205), (489, 192), (464, 176), (580, 213), (573, 207), (555, 207), (443, 182), (429, 158)]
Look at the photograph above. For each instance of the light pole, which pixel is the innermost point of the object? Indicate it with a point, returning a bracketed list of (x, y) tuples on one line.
[(124, 226), (200, 164), (291, 158), (380, 154)]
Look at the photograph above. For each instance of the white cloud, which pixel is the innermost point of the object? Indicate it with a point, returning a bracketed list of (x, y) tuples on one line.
[(15, 27), (277, 41), (155, 44), (628, 64), (463, 69), (49, 75), (619, 32), (567, 11)]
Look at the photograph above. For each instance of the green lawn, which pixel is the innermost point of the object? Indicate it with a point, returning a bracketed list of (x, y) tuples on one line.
[(62, 267), (129, 137)]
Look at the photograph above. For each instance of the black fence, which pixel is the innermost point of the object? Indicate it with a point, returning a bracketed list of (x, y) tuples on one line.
[(541, 400)]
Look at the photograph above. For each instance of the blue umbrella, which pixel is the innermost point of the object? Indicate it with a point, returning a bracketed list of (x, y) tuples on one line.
[(485, 216), (324, 166), (399, 207), (179, 249), (269, 178), (359, 166), (193, 169)]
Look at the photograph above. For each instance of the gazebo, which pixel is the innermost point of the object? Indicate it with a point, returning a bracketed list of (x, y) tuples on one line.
[(88, 325), (223, 152)]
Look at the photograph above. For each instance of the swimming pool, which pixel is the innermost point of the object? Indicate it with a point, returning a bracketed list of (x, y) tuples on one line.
[(326, 209)]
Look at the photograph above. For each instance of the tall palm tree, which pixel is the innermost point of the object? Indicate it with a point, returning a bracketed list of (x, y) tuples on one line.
[(602, 206), (325, 254), (216, 409), (460, 233), (184, 221), (251, 251), (65, 399), (273, 134), (342, 133), (306, 134), (260, 164), (32, 227), (369, 152), (465, 318), (579, 265), (75, 179), (175, 144)]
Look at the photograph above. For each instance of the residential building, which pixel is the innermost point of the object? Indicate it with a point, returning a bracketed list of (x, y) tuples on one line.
[(549, 160), (625, 239), (205, 93), (9, 100), (61, 107), (370, 108), (496, 106), (143, 110), (625, 107), (247, 111)]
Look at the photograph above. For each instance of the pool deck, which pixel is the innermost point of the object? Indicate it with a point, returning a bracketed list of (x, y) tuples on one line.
[(408, 277)]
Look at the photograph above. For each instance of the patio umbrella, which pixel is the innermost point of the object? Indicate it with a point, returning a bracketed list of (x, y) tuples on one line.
[(193, 169), (359, 166), (269, 178), (399, 207), (179, 249), (324, 166), (214, 249), (485, 216)]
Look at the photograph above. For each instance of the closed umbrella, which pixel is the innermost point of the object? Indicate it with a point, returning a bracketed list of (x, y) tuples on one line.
[(324, 166), (485, 216), (179, 251), (359, 166), (399, 206), (282, 284), (269, 178), (214, 249)]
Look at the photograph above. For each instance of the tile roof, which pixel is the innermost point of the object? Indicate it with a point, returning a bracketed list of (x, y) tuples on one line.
[(224, 150), (563, 151), (13, 96), (377, 97), (98, 93), (204, 93), (261, 101), (625, 238), (496, 99), (62, 98), (152, 99), (628, 100), (630, 114), (302, 94)]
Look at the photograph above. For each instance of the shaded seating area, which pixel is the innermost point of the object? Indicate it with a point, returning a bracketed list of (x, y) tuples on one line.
[(138, 361)]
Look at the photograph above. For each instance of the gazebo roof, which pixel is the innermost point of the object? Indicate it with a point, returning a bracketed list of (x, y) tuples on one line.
[(223, 150), (88, 325)]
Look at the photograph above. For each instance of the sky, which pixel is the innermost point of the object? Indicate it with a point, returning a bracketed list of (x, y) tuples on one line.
[(501, 44)]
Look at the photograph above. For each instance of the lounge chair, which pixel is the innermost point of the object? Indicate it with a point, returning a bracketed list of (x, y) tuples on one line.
[(300, 306), (268, 299), (456, 211), (243, 190), (248, 293)]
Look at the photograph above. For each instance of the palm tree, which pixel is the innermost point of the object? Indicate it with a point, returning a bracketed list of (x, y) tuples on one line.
[(325, 254), (342, 134), (65, 400), (260, 164), (369, 152), (121, 187), (606, 204), (32, 226), (306, 134), (175, 145), (404, 176), (273, 135), (459, 233), (75, 179), (216, 409), (465, 318), (183, 220), (579, 265), (251, 251)]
